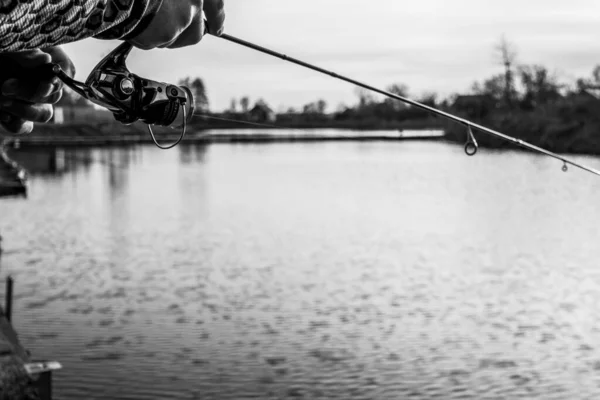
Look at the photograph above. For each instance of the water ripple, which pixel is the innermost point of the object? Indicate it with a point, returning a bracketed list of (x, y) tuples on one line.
[(299, 271)]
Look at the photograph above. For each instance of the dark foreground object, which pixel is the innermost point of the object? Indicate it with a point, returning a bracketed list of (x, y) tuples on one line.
[(13, 181), (20, 377)]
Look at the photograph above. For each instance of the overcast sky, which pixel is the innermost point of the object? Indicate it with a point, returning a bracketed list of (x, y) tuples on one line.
[(429, 45)]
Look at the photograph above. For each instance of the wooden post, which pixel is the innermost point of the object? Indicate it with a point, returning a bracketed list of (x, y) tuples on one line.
[(44, 385), (41, 374), (8, 299)]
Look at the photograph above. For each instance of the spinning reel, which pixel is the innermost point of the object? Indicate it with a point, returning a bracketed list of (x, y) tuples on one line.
[(131, 98)]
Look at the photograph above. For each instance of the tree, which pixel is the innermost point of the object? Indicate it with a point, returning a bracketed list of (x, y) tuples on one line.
[(261, 103), (310, 108), (429, 99), (233, 106), (539, 86), (198, 90), (321, 106), (364, 97), (507, 54), (399, 89), (596, 75), (581, 85), (200, 93), (245, 103), (494, 87), (341, 107)]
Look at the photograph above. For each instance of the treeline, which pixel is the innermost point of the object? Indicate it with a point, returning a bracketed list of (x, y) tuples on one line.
[(533, 104)]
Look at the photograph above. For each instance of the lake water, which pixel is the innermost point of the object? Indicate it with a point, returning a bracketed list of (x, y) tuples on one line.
[(372, 270)]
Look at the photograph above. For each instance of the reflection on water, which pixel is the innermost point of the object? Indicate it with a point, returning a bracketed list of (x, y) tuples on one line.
[(322, 270)]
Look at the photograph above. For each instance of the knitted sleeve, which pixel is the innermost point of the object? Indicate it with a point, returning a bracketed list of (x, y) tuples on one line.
[(30, 24)]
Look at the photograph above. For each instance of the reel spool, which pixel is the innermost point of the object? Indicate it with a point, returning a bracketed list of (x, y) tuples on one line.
[(130, 97)]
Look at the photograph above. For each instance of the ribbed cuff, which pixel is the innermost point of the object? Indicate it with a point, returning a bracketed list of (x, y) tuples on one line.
[(142, 13), (145, 21)]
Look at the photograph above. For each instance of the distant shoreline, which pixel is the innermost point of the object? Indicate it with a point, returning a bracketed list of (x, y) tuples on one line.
[(115, 134)]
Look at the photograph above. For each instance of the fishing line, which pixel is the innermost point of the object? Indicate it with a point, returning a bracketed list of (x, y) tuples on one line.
[(471, 145), (302, 130), (262, 125)]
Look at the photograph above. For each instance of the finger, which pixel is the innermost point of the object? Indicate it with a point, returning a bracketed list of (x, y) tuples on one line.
[(192, 35), (164, 40), (30, 58), (140, 44), (166, 26), (54, 97), (15, 125), (214, 10), (30, 112), (31, 90), (15, 65)]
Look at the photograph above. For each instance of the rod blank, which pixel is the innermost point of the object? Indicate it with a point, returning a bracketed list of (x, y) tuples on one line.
[(452, 117)]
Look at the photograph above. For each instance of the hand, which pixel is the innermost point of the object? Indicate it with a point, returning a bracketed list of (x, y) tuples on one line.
[(27, 97), (179, 23)]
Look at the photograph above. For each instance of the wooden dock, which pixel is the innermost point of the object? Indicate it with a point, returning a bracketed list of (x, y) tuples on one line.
[(21, 378), (13, 179)]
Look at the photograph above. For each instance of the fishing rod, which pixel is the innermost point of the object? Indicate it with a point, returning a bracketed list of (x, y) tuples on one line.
[(471, 145), (130, 98)]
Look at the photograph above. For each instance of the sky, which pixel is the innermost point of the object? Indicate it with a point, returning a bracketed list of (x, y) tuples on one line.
[(428, 45)]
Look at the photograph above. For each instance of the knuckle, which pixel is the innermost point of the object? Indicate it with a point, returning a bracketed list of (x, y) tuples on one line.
[(36, 98), (55, 98), (45, 114), (57, 87), (71, 70), (141, 45), (25, 127), (167, 37)]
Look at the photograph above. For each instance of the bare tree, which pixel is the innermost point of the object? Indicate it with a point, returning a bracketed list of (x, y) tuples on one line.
[(321, 106), (364, 97), (245, 103), (493, 87), (399, 89), (429, 99), (593, 83), (540, 86), (261, 103), (197, 87), (341, 107), (506, 55), (596, 75), (583, 84)]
